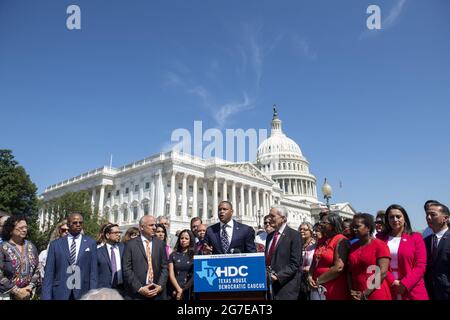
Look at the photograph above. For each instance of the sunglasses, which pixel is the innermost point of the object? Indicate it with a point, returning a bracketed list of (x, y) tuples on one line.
[(379, 222), (77, 222), (266, 222), (64, 229)]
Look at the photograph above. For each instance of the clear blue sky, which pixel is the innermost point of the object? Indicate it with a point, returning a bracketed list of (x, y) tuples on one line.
[(370, 109)]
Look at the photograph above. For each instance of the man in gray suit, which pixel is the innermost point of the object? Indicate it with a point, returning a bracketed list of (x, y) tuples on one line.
[(144, 264), (283, 256)]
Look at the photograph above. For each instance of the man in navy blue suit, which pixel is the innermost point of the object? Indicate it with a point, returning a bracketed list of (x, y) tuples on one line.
[(71, 267), (229, 236), (109, 260), (437, 275)]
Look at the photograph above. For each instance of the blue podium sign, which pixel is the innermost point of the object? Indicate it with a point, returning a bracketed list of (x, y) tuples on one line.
[(229, 272)]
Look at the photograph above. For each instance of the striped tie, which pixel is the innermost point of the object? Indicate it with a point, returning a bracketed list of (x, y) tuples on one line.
[(224, 239), (73, 251)]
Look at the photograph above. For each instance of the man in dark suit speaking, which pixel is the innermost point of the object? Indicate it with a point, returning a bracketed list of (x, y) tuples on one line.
[(145, 264), (229, 236), (283, 256)]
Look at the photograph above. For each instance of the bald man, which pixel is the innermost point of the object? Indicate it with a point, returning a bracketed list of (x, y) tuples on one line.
[(144, 264)]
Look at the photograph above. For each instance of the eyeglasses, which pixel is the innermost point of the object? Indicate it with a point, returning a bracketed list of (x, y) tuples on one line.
[(379, 222), (77, 222), (64, 229), (266, 222), (323, 223), (116, 232)]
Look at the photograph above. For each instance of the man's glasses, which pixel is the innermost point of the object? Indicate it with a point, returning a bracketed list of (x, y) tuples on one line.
[(379, 222), (266, 222), (77, 222)]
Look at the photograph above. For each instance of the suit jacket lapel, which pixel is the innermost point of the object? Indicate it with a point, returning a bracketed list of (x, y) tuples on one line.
[(141, 246), (236, 229), (83, 247), (104, 251), (218, 239), (442, 243), (64, 243)]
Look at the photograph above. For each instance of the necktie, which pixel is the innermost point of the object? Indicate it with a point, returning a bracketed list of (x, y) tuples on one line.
[(149, 262), (271, 249), (113, 267), (435, 247), (73, 252), (224, 238)]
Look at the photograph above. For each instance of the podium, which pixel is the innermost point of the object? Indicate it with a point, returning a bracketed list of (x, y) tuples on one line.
[(230, 276)]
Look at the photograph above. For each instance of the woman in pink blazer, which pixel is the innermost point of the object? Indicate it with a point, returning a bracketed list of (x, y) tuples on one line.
[(409, 256)]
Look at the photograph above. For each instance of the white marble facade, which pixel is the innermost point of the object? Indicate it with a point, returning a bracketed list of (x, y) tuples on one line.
[(181, 186)]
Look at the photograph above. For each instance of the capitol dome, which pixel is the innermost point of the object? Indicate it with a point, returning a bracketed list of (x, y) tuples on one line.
[(281, 159)]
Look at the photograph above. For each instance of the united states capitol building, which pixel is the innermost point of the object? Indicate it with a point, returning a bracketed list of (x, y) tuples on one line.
[(181, 186)]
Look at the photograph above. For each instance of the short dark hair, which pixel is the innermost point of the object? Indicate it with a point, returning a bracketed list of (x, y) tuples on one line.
[(9, 226), (108, 228), (367, 220), (443, 208), (428, 203), (196, 219), (408, 228), (226, 201), (160, 225), (267, 216)]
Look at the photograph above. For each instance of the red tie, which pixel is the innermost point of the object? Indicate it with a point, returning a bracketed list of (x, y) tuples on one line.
[(272, 249)]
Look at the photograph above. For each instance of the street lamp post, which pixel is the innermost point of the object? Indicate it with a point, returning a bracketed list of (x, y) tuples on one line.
[(259, 219), (327, 192)]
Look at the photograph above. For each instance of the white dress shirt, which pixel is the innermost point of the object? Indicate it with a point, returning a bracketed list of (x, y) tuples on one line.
[(77, 243), (118, 261), (228, 229), (144, 242), (439, 236), (280, 232)]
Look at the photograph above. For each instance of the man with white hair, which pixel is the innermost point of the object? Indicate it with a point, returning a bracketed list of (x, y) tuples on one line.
[(283, 256), (102, 294)]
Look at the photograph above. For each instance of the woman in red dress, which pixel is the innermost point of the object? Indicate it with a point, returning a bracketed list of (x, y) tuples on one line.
[(330, 259), (368, 262)]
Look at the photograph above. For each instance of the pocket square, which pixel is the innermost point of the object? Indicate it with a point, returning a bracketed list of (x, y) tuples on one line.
[(87, 249)]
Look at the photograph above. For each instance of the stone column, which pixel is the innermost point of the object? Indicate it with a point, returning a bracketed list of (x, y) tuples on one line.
[(194, 198), (93, 199), (233, 195), (250, 202), (173, 196), (224, 190), (205, 200), (152, 197), (215, 197), (258, 209), (101, 200), (159, 196), (184, 198), (242, 203)]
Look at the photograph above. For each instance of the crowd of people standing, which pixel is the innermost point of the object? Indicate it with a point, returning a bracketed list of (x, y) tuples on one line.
[(364, 258)]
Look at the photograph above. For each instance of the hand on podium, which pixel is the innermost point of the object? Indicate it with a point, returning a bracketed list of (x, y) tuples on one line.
[(207, 249)]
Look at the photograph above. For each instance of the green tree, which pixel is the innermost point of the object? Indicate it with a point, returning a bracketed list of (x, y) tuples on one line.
[(74, 202), (18, 195), (17, 191)]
